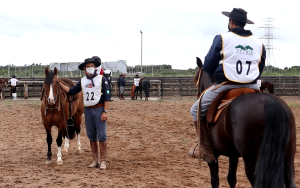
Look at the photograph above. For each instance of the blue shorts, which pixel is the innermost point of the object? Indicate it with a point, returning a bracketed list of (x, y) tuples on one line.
[(95, 128)]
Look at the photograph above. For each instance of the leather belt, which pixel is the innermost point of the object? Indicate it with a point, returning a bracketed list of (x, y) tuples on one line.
[(96, 106)]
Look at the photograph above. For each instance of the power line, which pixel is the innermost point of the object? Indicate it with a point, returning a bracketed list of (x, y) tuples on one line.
[(268, 37)]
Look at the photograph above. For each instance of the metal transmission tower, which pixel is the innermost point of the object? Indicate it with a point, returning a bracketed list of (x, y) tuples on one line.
[(268, 36)]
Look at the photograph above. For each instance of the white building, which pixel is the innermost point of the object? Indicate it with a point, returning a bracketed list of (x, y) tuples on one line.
[(65, 67), (115, 66)]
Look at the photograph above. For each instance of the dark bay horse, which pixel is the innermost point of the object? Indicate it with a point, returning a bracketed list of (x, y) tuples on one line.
[(260, 128), (56, 111), (267, 85), (3, 83), (144, 85)]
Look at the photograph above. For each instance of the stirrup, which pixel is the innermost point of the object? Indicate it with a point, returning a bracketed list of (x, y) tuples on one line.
[(70, 122)]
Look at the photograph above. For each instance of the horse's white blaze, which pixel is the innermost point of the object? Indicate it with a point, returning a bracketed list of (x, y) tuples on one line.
[(51, 98), (66, 146), (78, 143), (59, 155)]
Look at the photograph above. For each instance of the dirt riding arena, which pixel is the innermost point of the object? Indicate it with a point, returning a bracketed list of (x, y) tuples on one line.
[(148, 142)]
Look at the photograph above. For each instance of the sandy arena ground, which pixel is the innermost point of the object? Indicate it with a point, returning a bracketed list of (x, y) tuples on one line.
[(148, 142)]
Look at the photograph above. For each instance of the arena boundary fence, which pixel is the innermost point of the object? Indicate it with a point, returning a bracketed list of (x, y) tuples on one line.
[(159, 86)]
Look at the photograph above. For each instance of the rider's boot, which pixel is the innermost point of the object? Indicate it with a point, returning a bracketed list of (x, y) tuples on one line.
[(122, 98), (206, 149), (94, 148), (103, 152), (195, 152)]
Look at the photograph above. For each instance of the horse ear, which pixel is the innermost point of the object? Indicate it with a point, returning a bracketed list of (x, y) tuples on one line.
[(199, 62), (46, 71), (55, 71)]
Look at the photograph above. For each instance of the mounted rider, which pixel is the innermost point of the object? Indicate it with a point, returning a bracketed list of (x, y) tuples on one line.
[(236, 59)]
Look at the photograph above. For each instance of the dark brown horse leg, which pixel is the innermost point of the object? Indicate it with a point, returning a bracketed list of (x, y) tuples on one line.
[(250, 170), (231, 178), (214, 174), (49, 142)]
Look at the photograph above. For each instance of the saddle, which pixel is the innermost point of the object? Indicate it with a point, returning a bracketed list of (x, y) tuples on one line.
[(222, 100)]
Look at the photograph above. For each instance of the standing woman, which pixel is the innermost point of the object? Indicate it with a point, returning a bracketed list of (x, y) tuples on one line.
[(96, 97)]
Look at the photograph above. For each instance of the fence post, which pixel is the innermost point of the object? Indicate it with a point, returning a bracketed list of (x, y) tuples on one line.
[(161, 87), (299, 87), (180, 88), (25, 91), (279, 85)]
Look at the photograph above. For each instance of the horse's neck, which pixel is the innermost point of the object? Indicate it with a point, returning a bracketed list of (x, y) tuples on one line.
[(208, 79)]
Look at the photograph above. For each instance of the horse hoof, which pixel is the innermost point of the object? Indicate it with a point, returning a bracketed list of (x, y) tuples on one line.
[(66, 150), (78, 151), (48, 162), (194, 154), (59, 162)]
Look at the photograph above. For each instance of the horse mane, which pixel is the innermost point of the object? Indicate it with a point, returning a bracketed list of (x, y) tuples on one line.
[(49, 78), (67, 81), (70, 84)]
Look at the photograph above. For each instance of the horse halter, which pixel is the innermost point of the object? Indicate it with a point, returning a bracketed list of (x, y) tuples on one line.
[(46, 97)]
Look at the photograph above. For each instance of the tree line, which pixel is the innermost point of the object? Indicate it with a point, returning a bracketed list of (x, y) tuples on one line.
[(37, 70)]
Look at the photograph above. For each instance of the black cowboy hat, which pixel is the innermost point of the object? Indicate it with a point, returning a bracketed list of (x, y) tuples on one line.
[(238, 14), (96, 59), (97, 62)]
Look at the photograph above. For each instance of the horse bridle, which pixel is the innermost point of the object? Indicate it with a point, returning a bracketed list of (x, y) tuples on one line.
[(45, 96)]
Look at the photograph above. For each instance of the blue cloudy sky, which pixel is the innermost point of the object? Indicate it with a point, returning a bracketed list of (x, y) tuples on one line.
[(174, 32)]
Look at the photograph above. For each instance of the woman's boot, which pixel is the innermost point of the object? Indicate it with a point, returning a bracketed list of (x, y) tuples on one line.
[(94, 148), (103, 152)]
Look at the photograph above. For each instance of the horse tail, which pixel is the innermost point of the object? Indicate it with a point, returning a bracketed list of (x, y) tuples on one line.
[(270, 162), (70, 133)]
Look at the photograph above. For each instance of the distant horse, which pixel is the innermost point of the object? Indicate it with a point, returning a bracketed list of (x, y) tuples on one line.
[(3, 82), (56, 110), (267, 85), (144, 84), (260, 128)]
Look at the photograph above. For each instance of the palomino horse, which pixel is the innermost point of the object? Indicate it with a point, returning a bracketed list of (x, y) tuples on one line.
[(260, 128), (267, 85), (3, 82), (56, 110)]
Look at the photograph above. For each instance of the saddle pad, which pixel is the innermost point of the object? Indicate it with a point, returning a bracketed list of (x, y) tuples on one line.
[(222, 101)]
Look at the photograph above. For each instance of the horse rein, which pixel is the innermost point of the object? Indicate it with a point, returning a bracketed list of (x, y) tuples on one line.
[(200, 72)]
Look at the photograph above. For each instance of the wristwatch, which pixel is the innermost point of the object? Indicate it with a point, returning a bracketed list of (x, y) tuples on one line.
[(106, 111)]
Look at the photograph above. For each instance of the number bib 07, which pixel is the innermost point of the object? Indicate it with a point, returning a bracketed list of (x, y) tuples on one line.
[(91, 94), (242, 56)]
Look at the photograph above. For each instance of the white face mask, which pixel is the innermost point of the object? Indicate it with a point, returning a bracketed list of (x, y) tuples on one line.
[(90, 70)]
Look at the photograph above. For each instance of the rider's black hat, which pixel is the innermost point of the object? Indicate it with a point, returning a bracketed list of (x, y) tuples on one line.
[(96, 61), (238, 14)]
